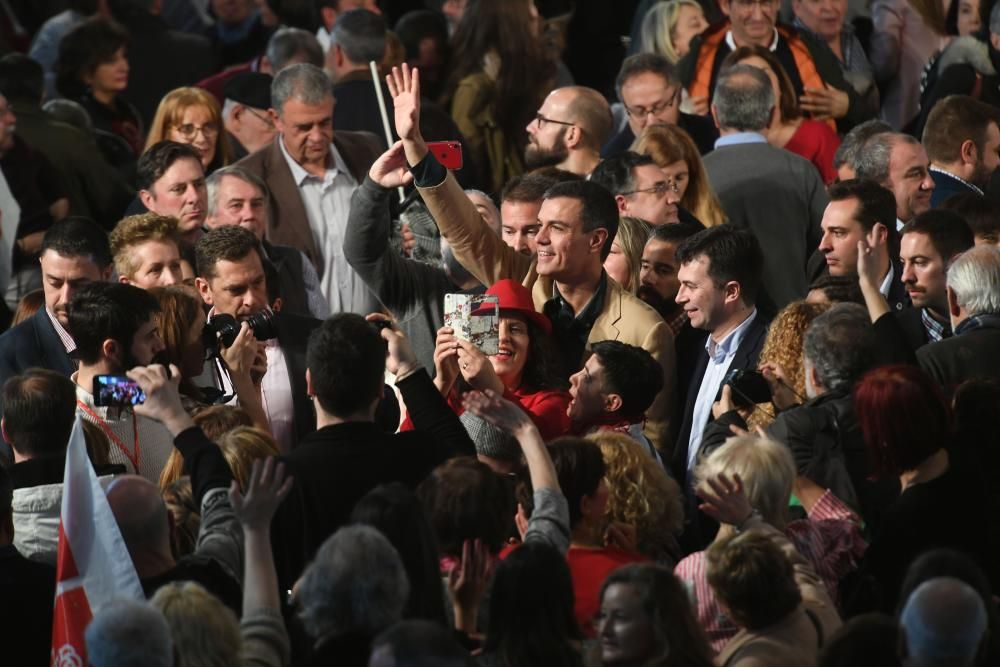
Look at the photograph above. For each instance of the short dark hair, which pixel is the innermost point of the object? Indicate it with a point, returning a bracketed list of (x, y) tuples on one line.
[(948, 232), (39, 408), (361, 35), (346, 362), (632, 373), (527, 188), (580, 467), (875, 203), (21, 79), (954, 120), (617, 173), (78, 237), (751, 575), (419, 24), (288, 43), (674, 233), (839, 289), (979, 212), (158, 159), (102, 311), (641, 63), (733, 254), (83, 49), (598, 208), (229, 243)]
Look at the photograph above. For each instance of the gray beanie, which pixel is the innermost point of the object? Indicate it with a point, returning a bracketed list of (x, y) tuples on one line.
[(490, 440)]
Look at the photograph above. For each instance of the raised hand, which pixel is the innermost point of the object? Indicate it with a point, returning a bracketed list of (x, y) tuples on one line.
[(404, 86), (266, 488), (494, 408), (445, 360), (163, 399), (400, 359), (782, 394), (390, 169), (825, 102), (467, 583), (725, 499)]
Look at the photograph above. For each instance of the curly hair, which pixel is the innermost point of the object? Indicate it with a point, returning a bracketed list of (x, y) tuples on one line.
[(784, 346), (641, 493)]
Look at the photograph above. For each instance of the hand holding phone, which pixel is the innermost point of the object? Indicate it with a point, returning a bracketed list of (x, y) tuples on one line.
[(448, 153), (117, 391)]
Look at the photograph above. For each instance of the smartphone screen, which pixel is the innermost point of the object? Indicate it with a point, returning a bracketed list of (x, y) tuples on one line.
[(117, 391)]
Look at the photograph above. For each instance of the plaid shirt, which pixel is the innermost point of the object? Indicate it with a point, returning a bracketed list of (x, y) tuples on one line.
[(936, 331), (830, 540)]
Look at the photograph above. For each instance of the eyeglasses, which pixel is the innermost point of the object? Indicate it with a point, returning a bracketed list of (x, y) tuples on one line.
[(189, 131), (656, 109), (659, 189), (542, 120), (264, 118)]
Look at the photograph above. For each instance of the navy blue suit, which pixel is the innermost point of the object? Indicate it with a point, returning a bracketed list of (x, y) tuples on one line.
[(33, 343), (945, 186)]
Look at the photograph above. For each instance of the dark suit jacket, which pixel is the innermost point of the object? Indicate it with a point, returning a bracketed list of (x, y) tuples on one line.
[(747, 356), (289, 224), (969, 355), (293, 336), (702, 131), (946, 186), (284, 269), (33, 343), (899, 334)]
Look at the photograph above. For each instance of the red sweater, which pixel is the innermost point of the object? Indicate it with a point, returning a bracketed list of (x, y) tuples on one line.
[(816, 142), (590, 567)]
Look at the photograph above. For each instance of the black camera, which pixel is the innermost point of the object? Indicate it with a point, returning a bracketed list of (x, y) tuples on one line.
[(749, 386), (225, 328)]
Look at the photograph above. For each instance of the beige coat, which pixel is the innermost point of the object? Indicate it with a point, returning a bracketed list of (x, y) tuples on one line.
[(625, 317)]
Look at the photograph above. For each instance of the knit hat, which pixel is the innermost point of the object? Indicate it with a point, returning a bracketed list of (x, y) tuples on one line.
[(490, 440)]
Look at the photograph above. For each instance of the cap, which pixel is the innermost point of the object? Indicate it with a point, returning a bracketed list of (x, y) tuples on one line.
[(490, 440), (515, 297), (252, 89)]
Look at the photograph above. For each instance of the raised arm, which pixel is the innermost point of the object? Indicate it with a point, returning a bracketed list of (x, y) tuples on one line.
[(869, 249)]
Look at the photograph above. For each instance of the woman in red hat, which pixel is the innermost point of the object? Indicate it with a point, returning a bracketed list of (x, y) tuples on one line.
[(522, 369)]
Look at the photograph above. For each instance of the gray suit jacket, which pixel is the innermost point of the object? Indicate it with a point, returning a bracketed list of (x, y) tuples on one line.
[(780, 197), (289, 223)]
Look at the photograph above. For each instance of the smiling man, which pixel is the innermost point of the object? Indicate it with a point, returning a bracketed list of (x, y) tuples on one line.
[(311, 175), (172, 183), (900, 164)]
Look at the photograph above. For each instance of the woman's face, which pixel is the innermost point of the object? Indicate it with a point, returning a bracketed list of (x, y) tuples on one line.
[(193, 354), (761, 64), (968, 17), (197, 129), (618, 267), (110, 76), (623, 628), (679, 173), (509, 362), (690, 22)]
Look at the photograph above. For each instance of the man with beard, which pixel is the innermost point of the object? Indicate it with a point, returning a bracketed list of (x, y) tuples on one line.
[(412, 291), (962, 140), (114, 330), (569, 130)]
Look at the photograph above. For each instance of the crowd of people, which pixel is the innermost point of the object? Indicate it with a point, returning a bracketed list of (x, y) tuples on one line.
[(738, 406)]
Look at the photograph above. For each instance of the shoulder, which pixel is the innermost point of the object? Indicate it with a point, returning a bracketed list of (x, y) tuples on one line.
[(350, 141), (261, 159)]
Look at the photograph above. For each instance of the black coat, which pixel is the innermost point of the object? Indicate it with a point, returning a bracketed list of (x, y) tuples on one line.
[(293, 336), (968, 355), (702, 131), (29, 589), (947, 186)]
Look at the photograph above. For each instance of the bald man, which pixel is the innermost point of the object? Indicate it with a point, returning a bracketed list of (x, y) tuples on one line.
[(943, 623), (569, 130)]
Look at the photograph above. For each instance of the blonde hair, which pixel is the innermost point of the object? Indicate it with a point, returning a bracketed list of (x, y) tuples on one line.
[(631, 238), (241, 447), (667, 144), (136, 230), (656, 34), (171, 110), (765, 466), (640, 492), (206, 633)]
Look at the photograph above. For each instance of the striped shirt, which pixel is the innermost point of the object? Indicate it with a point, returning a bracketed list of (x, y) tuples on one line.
[(830, 540)]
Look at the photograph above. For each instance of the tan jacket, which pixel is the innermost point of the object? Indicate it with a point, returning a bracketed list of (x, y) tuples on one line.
[(795, 640), (625, 317)]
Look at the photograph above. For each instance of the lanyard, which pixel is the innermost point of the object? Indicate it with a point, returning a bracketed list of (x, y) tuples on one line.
[(133, 458)]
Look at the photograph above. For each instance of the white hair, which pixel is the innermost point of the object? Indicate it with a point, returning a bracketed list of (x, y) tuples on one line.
[(128, 633), (974, 276), (228, 107)]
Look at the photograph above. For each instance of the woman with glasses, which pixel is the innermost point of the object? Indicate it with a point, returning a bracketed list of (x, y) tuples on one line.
[(192, 116), (814, 140)]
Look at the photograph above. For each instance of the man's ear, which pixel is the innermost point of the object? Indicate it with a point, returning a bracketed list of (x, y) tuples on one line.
[(732, 291), (147, 199), (724, 6), (954, 309), (309, 385), (124, 280), (597, 239), (968, 152), (110, 349), (3, 430), (205, 290), (574, 137), (715, 115), (612, 402), (622, 204)]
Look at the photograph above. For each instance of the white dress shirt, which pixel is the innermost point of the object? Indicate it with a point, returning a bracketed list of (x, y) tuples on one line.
[(720, 356), (276, 393), (327, 202)]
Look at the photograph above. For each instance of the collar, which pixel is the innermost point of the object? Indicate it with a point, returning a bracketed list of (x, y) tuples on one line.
[(588, 314), (737, 138), (728, 345), (731, 43), (887, 281), (939, 170), (335, 164), (323, 37), (64, 336), (980, 321), (899, 225), (935, 328)]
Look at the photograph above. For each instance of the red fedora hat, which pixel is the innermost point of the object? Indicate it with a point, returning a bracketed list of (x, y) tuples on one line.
[(515, 298)]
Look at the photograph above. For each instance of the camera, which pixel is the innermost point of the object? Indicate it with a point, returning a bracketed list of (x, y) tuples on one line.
[(749, 386), (225, 328)]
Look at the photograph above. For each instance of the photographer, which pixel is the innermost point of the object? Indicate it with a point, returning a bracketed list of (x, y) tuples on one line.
[(231, 280)]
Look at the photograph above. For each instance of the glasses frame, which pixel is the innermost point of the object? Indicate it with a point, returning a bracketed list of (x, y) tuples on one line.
[(657, 108), (659, 189), (210, 135), (542, 120)]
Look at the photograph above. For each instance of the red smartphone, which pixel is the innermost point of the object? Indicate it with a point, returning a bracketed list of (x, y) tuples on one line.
[(448, 153)]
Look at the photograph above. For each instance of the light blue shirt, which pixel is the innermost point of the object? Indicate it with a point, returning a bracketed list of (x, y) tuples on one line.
[(740, 138), (720, 356)]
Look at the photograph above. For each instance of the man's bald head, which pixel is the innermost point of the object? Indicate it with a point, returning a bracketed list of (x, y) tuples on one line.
[(943, 621), (141, 515), (590, 111)]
